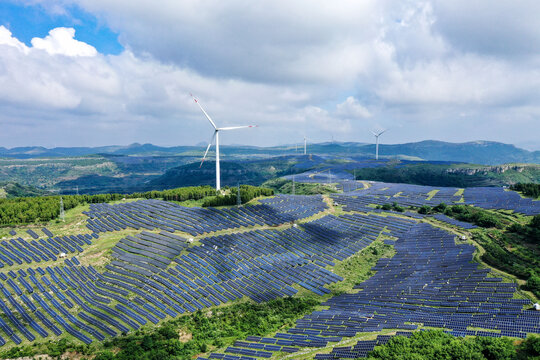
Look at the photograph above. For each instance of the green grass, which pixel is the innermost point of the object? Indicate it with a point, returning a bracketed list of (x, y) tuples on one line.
[(431, 194)]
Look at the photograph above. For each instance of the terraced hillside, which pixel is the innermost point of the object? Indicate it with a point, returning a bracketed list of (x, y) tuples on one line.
[(125, 266)]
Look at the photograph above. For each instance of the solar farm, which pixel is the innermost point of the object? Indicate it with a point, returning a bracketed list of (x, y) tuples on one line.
[(168, 260)]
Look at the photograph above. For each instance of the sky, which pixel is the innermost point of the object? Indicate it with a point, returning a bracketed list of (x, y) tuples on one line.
[(104, 72)]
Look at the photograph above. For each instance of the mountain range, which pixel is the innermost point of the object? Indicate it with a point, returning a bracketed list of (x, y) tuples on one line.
[(475, 152)]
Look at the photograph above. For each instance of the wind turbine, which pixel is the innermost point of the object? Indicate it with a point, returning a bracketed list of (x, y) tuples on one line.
[(215, 137), (377, 142)]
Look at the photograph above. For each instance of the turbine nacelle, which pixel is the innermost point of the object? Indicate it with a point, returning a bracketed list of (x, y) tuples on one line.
[(379, 133)]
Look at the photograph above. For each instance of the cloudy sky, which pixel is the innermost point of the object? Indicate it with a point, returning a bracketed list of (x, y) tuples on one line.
[(102, 72)]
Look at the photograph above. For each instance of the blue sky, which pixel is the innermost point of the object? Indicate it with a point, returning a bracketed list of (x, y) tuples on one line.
[(102, 72), (28, 21)]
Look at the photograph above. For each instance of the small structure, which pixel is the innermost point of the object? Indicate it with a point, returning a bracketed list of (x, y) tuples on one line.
[(536, 307), (62, 255), (463, 237)]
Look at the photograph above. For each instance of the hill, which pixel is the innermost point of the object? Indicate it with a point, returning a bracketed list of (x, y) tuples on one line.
[(456, 175), (13, 189), (474, 152), (250, 172)]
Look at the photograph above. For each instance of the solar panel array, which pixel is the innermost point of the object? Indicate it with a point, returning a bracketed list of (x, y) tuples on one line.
[(157, 275), (380, 193), (451, 221), (430, 282), (498, 198), (19, 251), (361, 348), (168, 216)]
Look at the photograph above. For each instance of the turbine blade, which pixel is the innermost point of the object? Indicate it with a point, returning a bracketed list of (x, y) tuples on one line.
[(382, 132), (374, 133), (238, 127), (204, 112), (208, 147)]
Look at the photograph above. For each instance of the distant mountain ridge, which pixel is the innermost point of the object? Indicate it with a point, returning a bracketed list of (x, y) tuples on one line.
[(476, 152)]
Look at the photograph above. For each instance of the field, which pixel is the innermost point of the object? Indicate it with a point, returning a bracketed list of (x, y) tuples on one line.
[(342, 269)]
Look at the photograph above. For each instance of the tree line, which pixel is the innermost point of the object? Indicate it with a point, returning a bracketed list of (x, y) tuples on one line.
[(436, 345), (465, 213), (529, 189), (26, 210), (247, 193)]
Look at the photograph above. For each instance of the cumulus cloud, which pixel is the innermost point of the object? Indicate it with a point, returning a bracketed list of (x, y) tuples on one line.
[(61, 41), (6, 38), (351, 108), (432, 68)]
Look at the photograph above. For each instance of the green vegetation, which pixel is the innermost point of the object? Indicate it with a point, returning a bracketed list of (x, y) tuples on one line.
[(530, 230), (357, 268), (509, 243), (437, 345), (455, 175), (178, 194), (13, 189), (248, 172), (28, 210), (514, 250), (186, 336), (394, 206), (41, 172), (477, 216), (284, 186), (530, 190), (247, 193)]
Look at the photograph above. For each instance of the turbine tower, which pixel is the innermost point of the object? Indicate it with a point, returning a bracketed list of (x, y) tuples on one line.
[(377, 142), (305, 146), (215, 138)]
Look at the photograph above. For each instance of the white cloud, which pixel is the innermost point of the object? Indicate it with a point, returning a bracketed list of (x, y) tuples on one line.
[(61, 41), (301, 67), (351, 108), (6, 38)]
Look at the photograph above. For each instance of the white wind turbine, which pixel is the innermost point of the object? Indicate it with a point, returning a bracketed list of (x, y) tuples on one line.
[(377, 142), (215, 137)]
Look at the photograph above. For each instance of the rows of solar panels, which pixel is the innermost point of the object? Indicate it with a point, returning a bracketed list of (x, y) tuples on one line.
[(416, 195), (430, 282), (171, 217), (157, 275), (18, 251), (27, 306)]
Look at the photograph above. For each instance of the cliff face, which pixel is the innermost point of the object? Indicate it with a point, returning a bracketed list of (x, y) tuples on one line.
[(507, 174), (500, 169)]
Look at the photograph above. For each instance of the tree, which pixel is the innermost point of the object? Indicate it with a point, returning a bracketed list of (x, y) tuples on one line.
[(425, 209)]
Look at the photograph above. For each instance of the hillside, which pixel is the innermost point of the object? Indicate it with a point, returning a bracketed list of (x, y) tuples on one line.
[(475, 152), (251, 172), (13, 189), (456, 175), (292, 277)]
